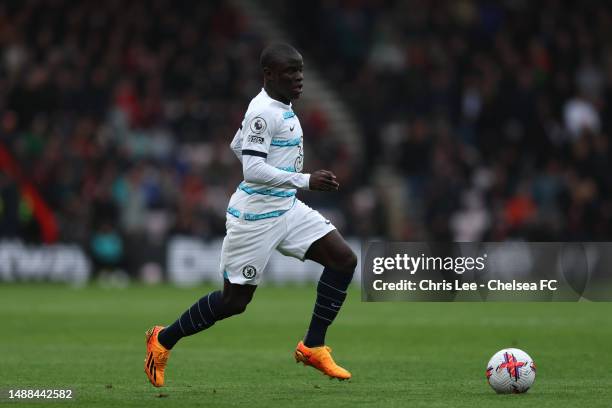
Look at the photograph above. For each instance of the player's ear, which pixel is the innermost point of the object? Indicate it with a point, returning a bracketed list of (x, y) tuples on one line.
[(268, 74)]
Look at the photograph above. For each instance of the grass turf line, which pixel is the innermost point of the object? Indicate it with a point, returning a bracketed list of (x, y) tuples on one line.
[(400, 354)]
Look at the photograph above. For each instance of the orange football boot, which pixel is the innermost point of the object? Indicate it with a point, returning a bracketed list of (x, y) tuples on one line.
[(156, 358), (321, 359)]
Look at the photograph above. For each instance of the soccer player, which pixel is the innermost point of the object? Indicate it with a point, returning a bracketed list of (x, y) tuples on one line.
[(263, 215)]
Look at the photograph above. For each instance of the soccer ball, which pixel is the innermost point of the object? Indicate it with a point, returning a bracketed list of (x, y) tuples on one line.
[(511, 371)]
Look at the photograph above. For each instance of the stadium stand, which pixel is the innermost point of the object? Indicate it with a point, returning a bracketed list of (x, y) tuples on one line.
[(481, 121)]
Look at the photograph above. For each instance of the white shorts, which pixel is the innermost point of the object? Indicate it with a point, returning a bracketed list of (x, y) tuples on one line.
[(248, 245)]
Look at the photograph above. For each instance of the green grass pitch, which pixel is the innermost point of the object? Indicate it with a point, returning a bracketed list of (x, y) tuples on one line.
[(400, 354)]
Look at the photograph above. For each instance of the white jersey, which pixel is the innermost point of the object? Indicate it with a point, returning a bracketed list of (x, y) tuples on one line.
[(271, 130)]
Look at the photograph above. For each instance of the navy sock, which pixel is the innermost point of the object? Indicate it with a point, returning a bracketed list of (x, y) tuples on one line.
[(200, 316), (331, 292)]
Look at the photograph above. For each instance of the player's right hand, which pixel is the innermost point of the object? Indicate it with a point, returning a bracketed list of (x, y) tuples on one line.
[(323, 180)]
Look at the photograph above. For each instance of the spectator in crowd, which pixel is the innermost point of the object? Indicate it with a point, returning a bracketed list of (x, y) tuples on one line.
[(481, 120), (496, 114)]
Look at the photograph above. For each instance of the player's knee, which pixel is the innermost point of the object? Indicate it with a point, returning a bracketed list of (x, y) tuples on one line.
[(232, 309), (236, 305), (351, 262), (347, 262), (239, 308)]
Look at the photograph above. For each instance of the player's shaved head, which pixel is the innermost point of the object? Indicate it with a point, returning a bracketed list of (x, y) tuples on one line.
[(277, 53), (283, 76)]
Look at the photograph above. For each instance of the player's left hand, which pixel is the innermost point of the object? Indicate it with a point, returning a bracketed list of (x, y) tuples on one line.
[(323, 180)]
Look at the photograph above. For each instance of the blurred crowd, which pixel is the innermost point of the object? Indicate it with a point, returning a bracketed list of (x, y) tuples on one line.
[(480, 120), (120, 114)]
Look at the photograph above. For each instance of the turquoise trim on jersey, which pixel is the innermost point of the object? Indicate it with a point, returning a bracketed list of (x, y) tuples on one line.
[(254, 217), (225, 275), (266, 191), (288, 115), (286, 143), (290, 169), (233, 212), (272, 214)]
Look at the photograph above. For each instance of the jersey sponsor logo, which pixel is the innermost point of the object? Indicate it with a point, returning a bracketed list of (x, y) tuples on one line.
[(299, 163), (299, 160), (249, 272), (258, 125), (288, 115), (256, 139), (291, 128)]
